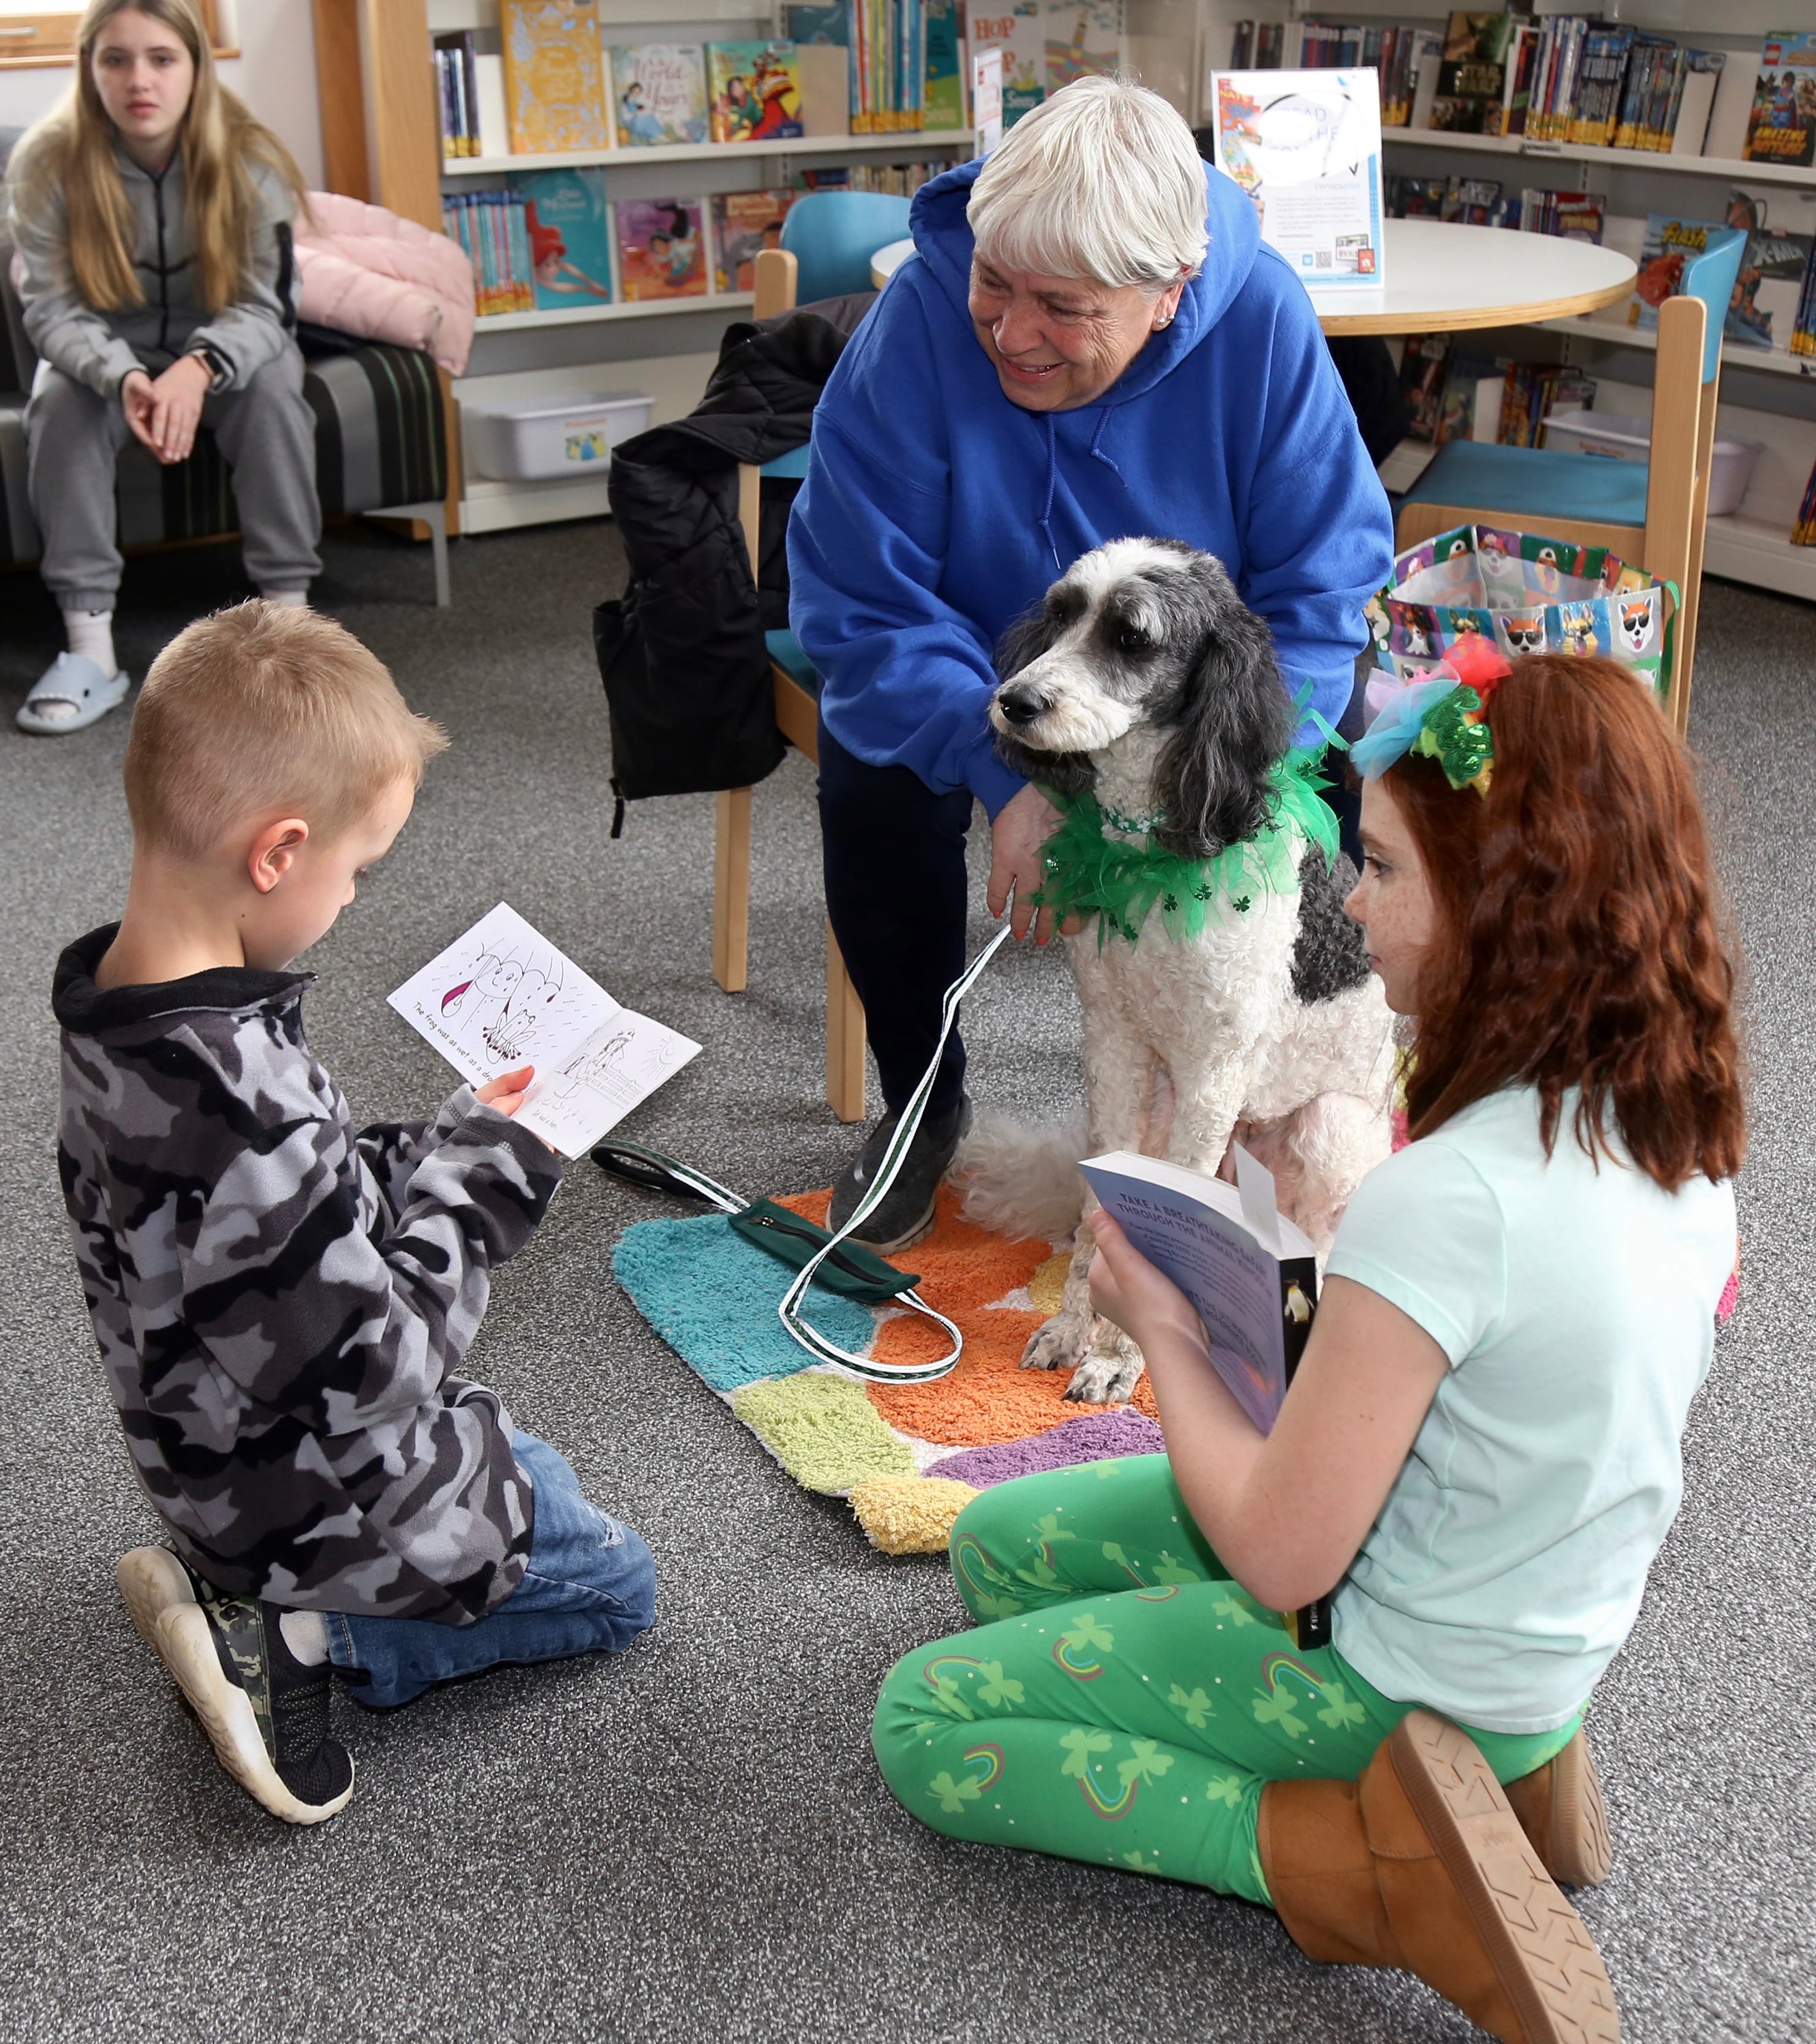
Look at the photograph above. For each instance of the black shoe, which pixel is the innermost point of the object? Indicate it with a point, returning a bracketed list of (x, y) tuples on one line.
[(907, 1213), (265, 1713)]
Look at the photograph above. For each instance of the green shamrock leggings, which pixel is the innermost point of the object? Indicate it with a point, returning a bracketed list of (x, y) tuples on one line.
[(1122, 1700)]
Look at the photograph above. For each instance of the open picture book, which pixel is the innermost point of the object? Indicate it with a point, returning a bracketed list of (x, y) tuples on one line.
[(502, 995), (1250, 1275)]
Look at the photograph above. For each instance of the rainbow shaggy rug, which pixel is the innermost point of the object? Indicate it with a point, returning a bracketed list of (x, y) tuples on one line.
[(906, 1456)]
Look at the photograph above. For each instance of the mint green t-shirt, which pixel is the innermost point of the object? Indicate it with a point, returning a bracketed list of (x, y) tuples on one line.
[(1576, 1306)]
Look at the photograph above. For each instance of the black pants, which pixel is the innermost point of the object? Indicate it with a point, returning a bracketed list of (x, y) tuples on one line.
[(895, 857)]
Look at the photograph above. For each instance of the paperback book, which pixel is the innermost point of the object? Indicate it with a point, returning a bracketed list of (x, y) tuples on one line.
[(1470, 77), (660, 94), (1769, 292), (1670, 243), (569, 238), (662, 248), (1250, 1275), (555, 93), (746, 223), (755, 91), (1084, 39), (1020, 32), (1782, 128), (502, 995)]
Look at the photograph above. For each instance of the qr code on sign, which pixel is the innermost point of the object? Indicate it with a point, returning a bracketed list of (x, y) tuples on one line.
[(1322, 260)]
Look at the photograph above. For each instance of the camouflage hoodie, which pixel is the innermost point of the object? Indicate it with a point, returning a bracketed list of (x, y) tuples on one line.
[(280, 1301)]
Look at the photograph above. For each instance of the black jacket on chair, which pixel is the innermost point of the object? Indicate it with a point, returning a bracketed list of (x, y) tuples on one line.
[(681, 653)]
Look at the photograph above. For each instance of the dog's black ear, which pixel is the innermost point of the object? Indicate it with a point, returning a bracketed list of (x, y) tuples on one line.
[(1065, 773), (1230, 722)]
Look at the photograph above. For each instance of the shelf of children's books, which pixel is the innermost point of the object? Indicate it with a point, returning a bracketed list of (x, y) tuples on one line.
[(585, 315), (692, 152), (1733, 168), (1770, 361)]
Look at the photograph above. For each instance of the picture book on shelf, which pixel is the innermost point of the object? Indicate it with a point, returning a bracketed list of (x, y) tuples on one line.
[(746, 223), (1250, 1275), (1769, 293), (502, 995), (1084, 39), (659, 93), (1782, 128), (755, 91), (943, 103), (1019, 29), (570, 240), (1470, 77), (554, 93), (662, 248)]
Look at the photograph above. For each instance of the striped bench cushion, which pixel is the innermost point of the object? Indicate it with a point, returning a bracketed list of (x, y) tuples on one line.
[(380, 440)]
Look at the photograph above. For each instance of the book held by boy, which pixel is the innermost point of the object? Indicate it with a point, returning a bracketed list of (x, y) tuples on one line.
[(502, 997)]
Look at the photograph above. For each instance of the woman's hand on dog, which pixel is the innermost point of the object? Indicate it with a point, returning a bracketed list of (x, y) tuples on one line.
[(1018, 838), (1149, 1307)]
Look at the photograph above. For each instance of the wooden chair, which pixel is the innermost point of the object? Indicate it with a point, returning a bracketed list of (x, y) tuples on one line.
[(798, 714), (1654, 514)]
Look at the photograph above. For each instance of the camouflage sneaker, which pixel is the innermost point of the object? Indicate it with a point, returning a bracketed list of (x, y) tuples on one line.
[(265, 1714)]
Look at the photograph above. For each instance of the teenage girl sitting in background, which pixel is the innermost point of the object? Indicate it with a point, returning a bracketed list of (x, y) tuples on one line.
[(1480, 1453), (152, 213)]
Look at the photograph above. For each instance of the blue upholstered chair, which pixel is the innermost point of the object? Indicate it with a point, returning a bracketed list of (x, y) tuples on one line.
[(833, 235), (1652, 514)]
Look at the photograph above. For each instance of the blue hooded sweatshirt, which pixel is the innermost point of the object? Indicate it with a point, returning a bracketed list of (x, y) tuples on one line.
[(935, 512)]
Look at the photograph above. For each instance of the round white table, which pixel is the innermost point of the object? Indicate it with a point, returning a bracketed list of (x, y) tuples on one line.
[(1443, 278)]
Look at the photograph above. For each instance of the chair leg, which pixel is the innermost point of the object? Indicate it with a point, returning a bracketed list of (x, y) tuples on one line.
[(844, 1037), (435, 517), (731, 891)]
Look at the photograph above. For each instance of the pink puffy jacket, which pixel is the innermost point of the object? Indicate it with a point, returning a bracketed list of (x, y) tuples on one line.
[(364, 271)]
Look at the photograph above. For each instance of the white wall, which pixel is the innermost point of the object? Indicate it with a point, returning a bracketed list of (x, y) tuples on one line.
[(275, 75)]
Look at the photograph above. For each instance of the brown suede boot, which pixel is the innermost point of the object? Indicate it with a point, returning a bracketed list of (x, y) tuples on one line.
[(1560, 1809), (1421, 1864)]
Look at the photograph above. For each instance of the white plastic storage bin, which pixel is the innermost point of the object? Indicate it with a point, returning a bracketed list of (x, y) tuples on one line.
[(541, 439), (1730, 469)]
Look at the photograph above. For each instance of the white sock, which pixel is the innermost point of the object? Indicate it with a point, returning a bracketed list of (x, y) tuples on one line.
[(91, 632), (287, 599), (305, 1636)]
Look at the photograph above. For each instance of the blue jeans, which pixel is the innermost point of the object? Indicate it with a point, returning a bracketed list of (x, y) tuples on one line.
[(589, 1588)]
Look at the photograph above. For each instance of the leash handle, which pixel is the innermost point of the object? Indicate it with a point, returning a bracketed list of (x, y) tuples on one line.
[(895, 1153)]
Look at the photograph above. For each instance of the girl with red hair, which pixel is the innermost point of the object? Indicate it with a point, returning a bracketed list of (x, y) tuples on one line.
[(1480, 1453)]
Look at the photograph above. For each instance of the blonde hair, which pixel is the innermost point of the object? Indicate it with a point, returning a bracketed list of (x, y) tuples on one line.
[(71, 148), (1102, 182), (267, 710)]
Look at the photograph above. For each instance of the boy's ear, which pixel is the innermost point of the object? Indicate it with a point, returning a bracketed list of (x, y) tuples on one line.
[(273, 851)]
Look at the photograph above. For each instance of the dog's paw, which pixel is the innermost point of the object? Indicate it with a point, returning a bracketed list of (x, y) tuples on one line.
[(1108, 1376), (1058, 1345)]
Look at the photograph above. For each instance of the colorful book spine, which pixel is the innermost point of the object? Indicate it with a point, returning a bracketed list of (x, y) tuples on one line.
[(1803, 532)]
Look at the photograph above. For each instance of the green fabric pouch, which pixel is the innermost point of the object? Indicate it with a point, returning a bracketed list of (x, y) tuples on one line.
[(852, 1271)]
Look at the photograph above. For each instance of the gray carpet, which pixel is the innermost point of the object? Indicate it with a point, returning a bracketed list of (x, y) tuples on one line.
[(692, 1842)]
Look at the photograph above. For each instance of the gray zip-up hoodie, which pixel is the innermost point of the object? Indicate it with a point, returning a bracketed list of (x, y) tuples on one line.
[(100, 349), (281, 1303)]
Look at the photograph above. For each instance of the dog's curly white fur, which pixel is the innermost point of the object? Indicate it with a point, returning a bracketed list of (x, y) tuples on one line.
[(1144, 678)]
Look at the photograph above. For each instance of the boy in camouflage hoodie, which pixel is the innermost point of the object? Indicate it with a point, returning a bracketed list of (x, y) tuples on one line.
[(280, 1302)]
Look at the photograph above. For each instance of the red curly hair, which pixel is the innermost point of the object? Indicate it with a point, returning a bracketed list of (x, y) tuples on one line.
[(1579, 941)]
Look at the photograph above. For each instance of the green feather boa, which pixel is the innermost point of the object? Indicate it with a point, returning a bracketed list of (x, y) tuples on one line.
[(1121, 884)]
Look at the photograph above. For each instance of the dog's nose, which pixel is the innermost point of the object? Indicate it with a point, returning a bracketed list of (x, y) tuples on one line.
[(1020, 706)]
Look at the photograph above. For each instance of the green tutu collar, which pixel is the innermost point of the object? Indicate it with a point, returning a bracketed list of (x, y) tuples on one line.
[(1121, 884)]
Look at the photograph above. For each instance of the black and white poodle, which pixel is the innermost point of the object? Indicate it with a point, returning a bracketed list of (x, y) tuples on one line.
[(1145, 680)]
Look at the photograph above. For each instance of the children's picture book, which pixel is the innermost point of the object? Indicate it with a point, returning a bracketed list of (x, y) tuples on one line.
[(570, 238), (1472, 76), (659, 92), (662, 248), (1019, 28), (746, 223), (1769, 293), (1250, 1275), (755, 91), (943, 103), (555, 93), (1306, 146), (1084, 39), (502, 995), (1782, 128)]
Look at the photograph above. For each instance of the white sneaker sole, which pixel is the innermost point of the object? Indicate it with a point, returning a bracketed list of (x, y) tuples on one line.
[(184, 1642), (152, 1580)]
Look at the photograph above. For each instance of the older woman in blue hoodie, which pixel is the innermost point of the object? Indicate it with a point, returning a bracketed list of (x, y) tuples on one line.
[(1091, 342)]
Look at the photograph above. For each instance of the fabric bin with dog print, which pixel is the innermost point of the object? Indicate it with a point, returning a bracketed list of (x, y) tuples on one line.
[(1525, 594)]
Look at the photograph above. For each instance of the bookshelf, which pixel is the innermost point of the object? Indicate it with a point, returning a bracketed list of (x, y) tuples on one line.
[(381, 135)]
